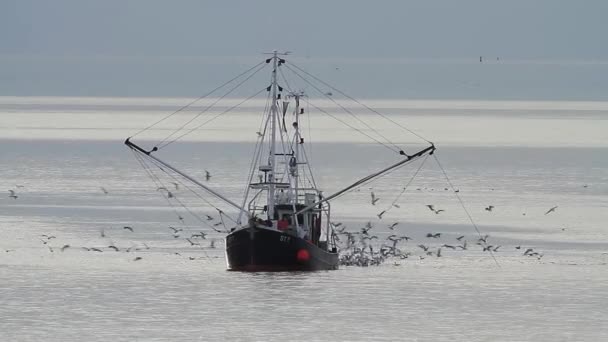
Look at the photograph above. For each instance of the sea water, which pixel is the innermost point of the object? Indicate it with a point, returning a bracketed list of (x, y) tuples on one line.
[(521, 157)]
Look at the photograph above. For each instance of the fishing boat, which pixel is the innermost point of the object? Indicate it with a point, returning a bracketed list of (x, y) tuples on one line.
[(283, 222)]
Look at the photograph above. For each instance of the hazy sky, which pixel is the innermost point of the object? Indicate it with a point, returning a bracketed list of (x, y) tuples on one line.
[(155, 48)]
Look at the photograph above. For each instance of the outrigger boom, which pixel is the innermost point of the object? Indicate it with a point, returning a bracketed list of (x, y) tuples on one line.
[(430, 150)]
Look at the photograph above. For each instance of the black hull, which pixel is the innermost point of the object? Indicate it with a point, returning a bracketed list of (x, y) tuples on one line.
[(259, 249)]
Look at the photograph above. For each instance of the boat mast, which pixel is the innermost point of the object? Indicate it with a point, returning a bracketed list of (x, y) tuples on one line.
[(273, 123)]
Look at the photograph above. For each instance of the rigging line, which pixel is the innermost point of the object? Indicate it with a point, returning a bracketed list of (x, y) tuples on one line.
[(255, 159), (309, 132), (211, 105), (463, 206), (211, 119), (284, 79), (193, 191), (368, 181), (308, 163), (157, 181), (362, 104), (408, 184), (354, 128), (345, 109), (198, 99)]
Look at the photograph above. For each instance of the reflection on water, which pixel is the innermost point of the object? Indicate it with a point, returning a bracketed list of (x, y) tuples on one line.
[(80, 295)]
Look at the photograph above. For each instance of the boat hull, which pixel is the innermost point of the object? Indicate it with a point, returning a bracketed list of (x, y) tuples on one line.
[(256, 249)]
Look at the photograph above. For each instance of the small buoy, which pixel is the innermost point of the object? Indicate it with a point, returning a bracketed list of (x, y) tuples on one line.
[(303, 255)]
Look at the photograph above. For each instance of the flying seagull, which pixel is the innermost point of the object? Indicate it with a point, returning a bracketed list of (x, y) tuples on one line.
[(207, 175), (551, 210), (127, 228), (12, 194), (374, 198), (104, 190), (489, 208)]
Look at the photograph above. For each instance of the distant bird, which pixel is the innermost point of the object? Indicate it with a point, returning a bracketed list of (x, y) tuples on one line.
[(439, 252), (496, 248), (336, 224), (259, 134), (137, 258), (392, 226), (175, 230), (113, 247), (207, 175), (146, 246), (212, 243), (209, 218), (584, 186), (432, 208), (464, 246), (48, 237), (217, 224), (12, 194), (162, 188), (448, 246), (176, 185), (329, 93), (483, 239), (193, 243), (374, 198), (65, 247), (489, 208), (102, 233), (95, 250), (202, 235), (528, 251), (50, 248), (551, 210), (517, 247), (170, 194), (381, 213), (424, 248), (104, 190), (396, 205), (460, 237), (434, 236), (128, 228)]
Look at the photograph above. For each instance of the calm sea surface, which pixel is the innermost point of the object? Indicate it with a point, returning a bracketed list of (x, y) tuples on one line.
[(522, 157)]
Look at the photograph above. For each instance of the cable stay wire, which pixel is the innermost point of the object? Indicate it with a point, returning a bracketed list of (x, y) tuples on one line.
[(463, 206), (209, 107), (360, 103), (158, 182), (352, 127), (194, 192), (211, 119), (197, 99), (392, 205), (397, 148)]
